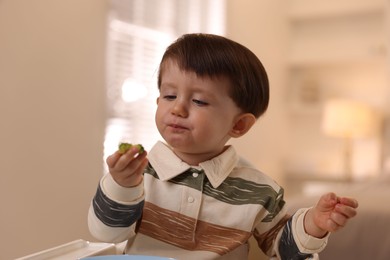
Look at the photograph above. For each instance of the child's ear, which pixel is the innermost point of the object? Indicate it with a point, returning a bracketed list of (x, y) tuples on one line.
[(243, 123)]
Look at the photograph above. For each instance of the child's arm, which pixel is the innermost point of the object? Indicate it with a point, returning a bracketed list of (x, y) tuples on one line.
[(118, 202), (330, 214)]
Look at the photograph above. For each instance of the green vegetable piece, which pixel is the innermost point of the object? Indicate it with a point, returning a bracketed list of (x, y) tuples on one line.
[(140, 148), (124, 147)]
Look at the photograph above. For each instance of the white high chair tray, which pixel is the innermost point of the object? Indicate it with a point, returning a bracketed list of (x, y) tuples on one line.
[(73, 250)]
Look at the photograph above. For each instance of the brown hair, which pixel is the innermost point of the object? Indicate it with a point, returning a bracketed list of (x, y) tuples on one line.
[(213, 56)]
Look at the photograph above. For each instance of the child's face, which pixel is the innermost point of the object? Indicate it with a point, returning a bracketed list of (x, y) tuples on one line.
[(194, 115)]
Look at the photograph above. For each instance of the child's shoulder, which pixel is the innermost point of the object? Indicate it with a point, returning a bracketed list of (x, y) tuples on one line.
[(246, 170)]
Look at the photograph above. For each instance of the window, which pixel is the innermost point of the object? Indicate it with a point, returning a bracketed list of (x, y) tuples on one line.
[(138, 33)]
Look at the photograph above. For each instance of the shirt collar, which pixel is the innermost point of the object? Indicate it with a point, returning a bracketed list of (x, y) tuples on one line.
[(167, 165)]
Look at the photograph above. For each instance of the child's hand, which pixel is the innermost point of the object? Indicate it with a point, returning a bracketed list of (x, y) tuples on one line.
[(330, 214), (127, 168)]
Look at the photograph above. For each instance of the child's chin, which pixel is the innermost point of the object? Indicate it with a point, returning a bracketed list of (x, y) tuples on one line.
[(179, 144)]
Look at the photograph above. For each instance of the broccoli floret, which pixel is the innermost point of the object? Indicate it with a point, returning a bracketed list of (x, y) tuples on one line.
[(140, 148), (124, 147)]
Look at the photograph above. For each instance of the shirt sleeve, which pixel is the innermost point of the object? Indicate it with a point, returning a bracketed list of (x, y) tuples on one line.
[(295, 243), (121, 194), (115, 210)]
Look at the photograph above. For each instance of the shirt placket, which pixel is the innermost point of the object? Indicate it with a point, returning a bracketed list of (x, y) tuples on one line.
[(192, 197)]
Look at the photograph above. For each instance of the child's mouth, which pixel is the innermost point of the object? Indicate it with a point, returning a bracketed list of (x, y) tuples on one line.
[(175, 126)]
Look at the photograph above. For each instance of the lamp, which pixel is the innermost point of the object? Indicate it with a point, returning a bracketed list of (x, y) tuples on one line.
[(349, 120)]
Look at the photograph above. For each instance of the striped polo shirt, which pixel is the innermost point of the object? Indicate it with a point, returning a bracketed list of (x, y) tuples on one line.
[(204, 212)]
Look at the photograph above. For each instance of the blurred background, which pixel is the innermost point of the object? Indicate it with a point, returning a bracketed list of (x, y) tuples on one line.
[(77, 77)]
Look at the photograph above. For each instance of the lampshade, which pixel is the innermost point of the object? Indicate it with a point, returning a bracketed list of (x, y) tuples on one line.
[(349, 119)]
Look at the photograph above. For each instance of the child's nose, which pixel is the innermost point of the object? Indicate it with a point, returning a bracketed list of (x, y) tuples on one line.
[(180, 109)]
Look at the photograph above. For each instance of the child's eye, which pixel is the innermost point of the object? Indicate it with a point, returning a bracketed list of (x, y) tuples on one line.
[(169, 97), (199, 102)]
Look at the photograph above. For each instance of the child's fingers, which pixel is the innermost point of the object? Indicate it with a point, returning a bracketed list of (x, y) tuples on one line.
[(336, 222), (342, 214), (349, 202), (327, 202), (332, 226), (347, 211), (131, 156), (136, 178), (112, 159), (138, 161), (344, 210), (119, 160)]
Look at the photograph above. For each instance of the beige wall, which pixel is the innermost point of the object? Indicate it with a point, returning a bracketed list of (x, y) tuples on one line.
[(51, 112), (261, 26)]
